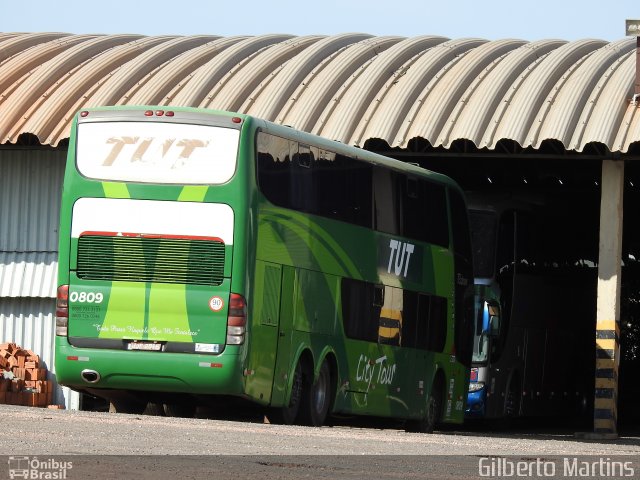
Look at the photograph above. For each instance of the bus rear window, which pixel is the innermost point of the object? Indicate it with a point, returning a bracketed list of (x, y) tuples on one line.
[(157, 152)]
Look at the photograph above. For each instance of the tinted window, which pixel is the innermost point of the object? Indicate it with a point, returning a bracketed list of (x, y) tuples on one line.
[(460, 225), (393, 316), (437, 326), (274, 168), (312, 180), (343, 188), (427, 214), (360, 310)]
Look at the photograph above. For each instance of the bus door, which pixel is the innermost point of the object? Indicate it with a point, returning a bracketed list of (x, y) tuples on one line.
[(281, 342), (261, 364)]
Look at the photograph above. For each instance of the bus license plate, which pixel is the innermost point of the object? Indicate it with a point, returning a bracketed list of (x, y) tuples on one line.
[(154, 347)]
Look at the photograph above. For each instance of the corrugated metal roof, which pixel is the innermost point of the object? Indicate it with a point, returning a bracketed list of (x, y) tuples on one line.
[(349, 87)]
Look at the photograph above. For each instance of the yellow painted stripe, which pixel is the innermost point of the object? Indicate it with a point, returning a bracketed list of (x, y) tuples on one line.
[(607, 363), (606, 343), (602, 423), (608, 325), (606, 383), (193, 193), (126, 297), (168, 316), (391, 314), (115, 190), (608, 403)]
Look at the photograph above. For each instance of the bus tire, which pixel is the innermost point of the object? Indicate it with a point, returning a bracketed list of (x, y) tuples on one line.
[(154, 409), (126, 406), (181, 410), (433, 412), (288, 414), (316, 400)]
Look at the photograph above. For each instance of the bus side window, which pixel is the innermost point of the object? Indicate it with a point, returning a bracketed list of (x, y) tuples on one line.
[(422, 331), (360, 314), (463, 265), (274, 168), (432, 210), (431, 331), (437, 330), (410, 320), (390, 319), (384, 199), (302, 186), (308, 179), (343, 188)]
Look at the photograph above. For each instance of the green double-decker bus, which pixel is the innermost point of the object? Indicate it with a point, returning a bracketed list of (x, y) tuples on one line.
[(209, 255)]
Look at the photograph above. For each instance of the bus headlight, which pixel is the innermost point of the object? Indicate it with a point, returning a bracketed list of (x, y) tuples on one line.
[(475, 387)]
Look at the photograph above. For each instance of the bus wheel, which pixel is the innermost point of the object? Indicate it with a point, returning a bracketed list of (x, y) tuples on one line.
[(433, 413), (126, 406), (154, 409), (288, 414), (182, 410), (317, 399)]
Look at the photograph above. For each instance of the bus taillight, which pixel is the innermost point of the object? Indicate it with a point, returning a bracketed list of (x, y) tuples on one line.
[(236, 319), (62, 310)]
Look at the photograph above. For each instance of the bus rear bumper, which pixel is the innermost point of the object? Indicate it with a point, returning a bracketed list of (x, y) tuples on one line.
[(148, 371)]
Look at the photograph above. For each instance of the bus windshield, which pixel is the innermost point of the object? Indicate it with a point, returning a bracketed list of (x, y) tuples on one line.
[(157, 152)]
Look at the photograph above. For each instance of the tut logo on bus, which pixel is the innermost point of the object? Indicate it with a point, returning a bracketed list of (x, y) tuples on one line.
[(186, 148), (402, 259)]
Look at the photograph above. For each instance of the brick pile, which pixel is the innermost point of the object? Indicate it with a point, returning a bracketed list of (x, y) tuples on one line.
[(23, 380)]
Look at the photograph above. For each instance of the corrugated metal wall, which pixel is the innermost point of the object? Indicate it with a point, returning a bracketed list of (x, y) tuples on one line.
[(30, 323), (30, 190)]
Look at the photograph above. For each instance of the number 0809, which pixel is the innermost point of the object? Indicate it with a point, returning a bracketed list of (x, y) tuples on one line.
[(86, 297)]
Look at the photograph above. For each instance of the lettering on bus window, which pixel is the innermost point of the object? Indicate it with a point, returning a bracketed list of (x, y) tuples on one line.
[(157, 152), (187, 145)]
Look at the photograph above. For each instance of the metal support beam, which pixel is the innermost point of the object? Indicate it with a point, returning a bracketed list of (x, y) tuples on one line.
[(637, 89), (608, 310)]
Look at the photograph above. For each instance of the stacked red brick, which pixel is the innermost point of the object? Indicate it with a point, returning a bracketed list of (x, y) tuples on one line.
[(22, 379)]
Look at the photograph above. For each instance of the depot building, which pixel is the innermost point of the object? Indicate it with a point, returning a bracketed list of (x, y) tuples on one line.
[(497, 116)]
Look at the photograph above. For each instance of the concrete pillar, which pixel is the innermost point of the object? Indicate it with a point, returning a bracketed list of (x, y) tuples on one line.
[(608, 310)]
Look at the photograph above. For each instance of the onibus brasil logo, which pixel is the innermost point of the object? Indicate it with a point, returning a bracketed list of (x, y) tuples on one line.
[(34, 468)]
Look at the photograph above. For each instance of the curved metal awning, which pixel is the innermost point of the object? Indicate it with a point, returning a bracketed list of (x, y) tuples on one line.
[(350, 87)]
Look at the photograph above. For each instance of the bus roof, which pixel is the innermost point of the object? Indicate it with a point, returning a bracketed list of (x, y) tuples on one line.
[(293, 134)]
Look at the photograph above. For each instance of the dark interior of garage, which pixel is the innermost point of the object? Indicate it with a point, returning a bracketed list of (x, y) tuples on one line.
[(569, 183)]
